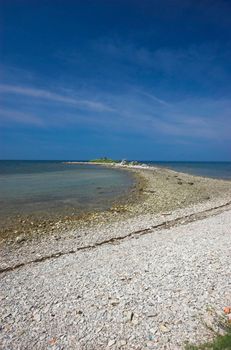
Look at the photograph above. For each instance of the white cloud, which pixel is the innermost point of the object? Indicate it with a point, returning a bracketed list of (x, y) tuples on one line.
[(51, 96), (10, 115), (135, 110)]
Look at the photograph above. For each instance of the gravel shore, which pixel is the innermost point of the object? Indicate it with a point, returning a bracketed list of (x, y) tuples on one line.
[(155, 292), (160, 196), (145, 275), (156, 191)]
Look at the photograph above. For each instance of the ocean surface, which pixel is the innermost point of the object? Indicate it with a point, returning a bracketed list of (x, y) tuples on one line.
[(52, 187), (217, 170)]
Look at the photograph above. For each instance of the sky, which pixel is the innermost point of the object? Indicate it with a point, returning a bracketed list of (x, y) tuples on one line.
[(126, 79)]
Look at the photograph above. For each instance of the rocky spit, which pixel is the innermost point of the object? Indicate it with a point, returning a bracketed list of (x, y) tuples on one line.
[(140, 278)]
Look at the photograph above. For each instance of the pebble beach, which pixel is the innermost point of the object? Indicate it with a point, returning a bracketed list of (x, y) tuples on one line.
[(152, 272)]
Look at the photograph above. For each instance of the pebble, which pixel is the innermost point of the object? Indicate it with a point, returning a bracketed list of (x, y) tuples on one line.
[(37, 317), (163, 328), (20, 239), (111, 342), (150, 344), (122, 342), (153, 330), (135, 321), (129, 315), (114, 302)]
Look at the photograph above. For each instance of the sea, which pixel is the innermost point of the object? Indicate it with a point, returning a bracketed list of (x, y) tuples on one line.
[(55, 187), (46, 188), (216, 170)]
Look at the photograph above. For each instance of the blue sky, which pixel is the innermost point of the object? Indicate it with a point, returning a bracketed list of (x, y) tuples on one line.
[(128, 79)]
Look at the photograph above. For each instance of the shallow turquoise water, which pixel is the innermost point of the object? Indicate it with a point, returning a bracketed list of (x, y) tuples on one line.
[(34, 187)]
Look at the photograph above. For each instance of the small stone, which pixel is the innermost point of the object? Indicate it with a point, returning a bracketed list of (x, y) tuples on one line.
[(114, 302), (149, 344), (79, 312), (129, 316), (153, 330), (98, 330), (152, 315), (46, 309), (123, 342), (163, 328), (52, 341), (111, 342), (151, 337), (227, 309), (209, 320), (37, 317), (135, 321), (6, 315), (20, 239)]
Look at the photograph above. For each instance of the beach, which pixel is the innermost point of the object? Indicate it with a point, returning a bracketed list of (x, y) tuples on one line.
[(115, 175), (150, 272), (155, 191)]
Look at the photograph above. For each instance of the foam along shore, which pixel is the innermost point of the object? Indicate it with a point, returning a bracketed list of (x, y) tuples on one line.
[(120, 164)]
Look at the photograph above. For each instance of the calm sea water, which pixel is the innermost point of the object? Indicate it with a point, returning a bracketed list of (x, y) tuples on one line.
[(43, 187), (52, 187), (219, 170)]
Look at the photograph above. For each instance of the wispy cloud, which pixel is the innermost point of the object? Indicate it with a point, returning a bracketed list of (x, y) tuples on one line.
[(192, 118), (153, 97), (11, 115), (133, 109), (51, 96)]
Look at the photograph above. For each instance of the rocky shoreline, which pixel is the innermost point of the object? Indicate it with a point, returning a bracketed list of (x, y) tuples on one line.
[(93, 284), (159, 195), (156, 190)]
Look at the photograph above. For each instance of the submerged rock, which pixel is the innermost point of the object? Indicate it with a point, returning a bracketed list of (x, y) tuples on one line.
[(20, 239)]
